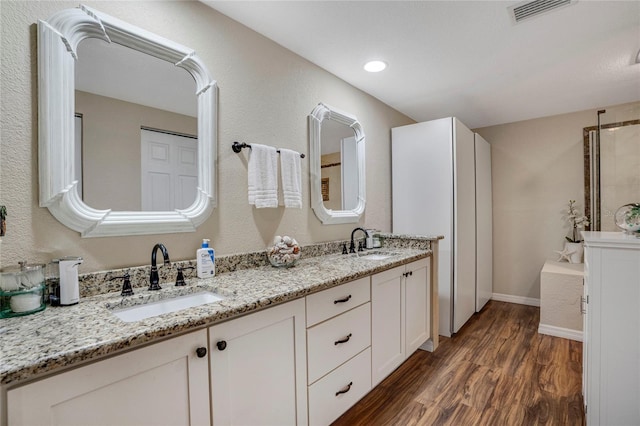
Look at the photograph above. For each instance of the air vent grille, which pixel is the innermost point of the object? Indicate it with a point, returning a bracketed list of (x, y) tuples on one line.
[(536, 7)]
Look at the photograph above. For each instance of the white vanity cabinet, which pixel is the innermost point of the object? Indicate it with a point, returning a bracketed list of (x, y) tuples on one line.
[(163, 383), (611, 366), (258, 368), (339, 355), (400, 320)]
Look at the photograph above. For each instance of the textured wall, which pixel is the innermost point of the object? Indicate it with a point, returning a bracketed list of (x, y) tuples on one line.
[(266, 93), (537, 167)]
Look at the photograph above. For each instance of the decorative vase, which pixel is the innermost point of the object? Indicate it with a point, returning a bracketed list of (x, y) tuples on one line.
[(627, 218), (576, 250)]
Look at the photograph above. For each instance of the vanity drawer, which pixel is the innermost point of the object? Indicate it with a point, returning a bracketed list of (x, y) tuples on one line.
[(326, 403), (335, 341), (334, 301)]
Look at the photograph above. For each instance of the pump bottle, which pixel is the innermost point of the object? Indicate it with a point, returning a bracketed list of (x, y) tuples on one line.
[(205, 260)]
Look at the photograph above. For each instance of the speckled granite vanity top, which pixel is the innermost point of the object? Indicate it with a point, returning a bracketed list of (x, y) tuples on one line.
[(64, 336)]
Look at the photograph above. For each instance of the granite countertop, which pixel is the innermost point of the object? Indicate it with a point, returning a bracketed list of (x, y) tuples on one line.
[(59, 337)]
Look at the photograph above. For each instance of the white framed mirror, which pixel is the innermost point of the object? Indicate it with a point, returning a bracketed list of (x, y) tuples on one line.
[(59, 169), (337, 165)]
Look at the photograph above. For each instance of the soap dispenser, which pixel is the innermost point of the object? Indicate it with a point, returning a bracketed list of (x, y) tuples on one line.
[(205, 261), (68, 270)]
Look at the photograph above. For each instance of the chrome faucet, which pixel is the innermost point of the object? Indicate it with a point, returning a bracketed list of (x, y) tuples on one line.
[(154, 279), (352, 246)]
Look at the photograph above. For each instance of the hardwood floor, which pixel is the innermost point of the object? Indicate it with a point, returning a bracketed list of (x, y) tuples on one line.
[(496, 371)]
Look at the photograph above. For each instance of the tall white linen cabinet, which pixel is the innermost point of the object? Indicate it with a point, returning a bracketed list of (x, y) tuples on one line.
[(441, 183), (611, 351)]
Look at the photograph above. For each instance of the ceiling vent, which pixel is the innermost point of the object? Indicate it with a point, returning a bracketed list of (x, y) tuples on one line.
[(530, 9)]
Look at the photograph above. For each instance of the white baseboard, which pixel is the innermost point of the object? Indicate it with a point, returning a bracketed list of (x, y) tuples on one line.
[(515, 299), (566, 333)]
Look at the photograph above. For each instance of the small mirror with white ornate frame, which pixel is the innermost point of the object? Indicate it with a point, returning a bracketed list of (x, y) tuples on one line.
[(351, 160)]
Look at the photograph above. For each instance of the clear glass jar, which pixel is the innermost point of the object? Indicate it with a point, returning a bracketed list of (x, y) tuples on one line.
[(21, 290), (627, 218)]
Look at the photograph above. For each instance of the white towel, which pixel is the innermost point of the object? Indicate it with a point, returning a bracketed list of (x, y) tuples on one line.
[(263, 176), (291, 178)]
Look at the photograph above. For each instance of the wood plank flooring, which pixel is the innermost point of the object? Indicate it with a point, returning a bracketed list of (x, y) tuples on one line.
[(496, 371)]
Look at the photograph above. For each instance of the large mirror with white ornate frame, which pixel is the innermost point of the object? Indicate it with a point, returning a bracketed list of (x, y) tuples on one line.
[(337, 165), (86, 63)]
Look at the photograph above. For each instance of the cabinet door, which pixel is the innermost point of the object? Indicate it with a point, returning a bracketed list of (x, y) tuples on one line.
[(162, 384), (258, 368), (613, 358), (464, 244), (484, 223), (417, 302), (387, 326)]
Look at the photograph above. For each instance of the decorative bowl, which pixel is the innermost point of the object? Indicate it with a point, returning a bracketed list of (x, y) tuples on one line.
[(284, 253)]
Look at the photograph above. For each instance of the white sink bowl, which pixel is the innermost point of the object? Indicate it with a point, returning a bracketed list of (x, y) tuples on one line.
[(376, 256), (166, 306)]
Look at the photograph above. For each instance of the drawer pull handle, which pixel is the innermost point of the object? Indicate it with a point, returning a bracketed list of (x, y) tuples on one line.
[(346, 299), (345, 389), (345, 340)]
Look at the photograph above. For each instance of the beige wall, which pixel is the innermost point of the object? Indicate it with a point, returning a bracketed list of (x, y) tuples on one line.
[(111, 155), (266, 93), (537, 166)]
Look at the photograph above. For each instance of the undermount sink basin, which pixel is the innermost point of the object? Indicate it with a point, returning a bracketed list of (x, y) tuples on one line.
[(376, 255), (166, 306)]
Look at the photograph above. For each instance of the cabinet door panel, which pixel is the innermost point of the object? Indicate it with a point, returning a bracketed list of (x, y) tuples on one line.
[(613, 378), (417, 300), (258, 378), (464, 245), (484, 223), (387, 328), (162, 384)]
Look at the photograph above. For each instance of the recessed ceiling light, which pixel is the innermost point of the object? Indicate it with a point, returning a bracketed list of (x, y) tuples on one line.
[(375, 66)]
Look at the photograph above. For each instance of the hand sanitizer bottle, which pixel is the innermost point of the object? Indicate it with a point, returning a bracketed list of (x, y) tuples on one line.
[(205, 261)]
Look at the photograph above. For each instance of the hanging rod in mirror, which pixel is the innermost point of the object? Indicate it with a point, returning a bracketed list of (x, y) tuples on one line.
[(237, 147)]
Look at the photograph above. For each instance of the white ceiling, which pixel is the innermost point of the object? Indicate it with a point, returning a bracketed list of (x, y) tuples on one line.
[(463, 58)]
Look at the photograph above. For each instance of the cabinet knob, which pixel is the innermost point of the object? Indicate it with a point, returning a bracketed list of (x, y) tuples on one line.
[(222, 345), (345, 389), (201, 352)]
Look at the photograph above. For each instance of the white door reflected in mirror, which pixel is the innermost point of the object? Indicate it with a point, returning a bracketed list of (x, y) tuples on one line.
[(169, 170)]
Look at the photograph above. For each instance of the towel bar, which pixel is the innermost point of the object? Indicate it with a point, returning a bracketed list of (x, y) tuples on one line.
[(237, 147)]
